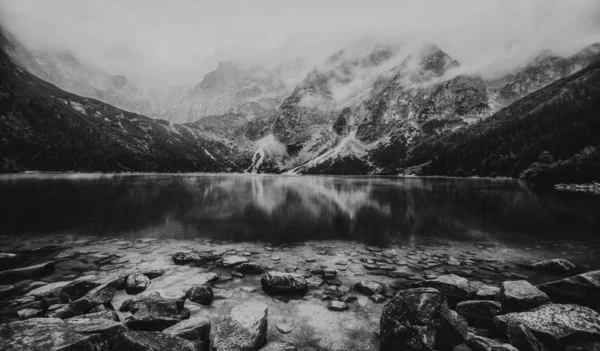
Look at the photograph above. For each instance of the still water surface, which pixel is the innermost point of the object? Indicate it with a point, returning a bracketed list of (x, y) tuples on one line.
[(281, 209)]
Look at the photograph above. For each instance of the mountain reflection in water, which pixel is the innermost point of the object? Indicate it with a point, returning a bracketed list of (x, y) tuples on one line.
[(282, 209)]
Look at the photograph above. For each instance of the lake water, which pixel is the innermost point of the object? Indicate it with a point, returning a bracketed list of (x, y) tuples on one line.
[(283, 209)]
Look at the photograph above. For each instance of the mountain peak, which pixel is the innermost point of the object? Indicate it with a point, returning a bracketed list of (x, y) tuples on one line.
[(435, 60)]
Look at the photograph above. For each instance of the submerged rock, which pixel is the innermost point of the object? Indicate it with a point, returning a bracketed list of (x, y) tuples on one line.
[(244, 329), (279, 282), (55, 334), (233, 260), (154, 341), (136, 283), (185, 257), (520, 295), (419, 319), (249, 268), (555, 325), (193, 329), (582, 289), (200, 294), (557, 265), (12, 276)]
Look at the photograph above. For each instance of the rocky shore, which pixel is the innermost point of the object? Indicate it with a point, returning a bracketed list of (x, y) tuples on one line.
[(66, 293)]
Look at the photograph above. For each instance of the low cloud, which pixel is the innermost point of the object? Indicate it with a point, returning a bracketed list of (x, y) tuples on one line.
[(172, 42)]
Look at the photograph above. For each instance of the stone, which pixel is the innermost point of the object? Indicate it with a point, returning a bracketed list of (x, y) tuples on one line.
[(186, 257), (454, 287), (284, 328), (582, 289), (243, 329), (377, 298), (95, 297), (279, 346), (200, 294), (136, 283), (520, 295), (62, 311), (369, 287), (154, 341), (30, 313), (479, 313), (486, 292), (420, 319), (521, 337), (281, 283), (337, 306), (48, 290), (76, 290), (233, 260), (56, 334), (154, 313), (555, 325), (105, 314), (249, 268), (557, 265), (12, 276), (193, 329)]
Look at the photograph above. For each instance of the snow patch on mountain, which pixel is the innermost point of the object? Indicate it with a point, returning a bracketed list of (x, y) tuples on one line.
[(269, 148)]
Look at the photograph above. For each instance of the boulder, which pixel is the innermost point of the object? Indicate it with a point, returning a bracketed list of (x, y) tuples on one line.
[(200, 294), (244, 329), (154, 313), (283, 283), (419, 319), (521, 337), (185, 257), (63, 311), (557, 265), (582, 289), (520, 295), (30, 313), (233, 260), (105, 314), (136, 283), (479, 313), (480, 343), (98, 296), (154, 341), (56, 334), (76, 290), (118, 280), (249, 268), (193, 329), (454, 287), (369, 287), (48, 290), (12, 276), (554, 325), (279, 346), (486, 292)]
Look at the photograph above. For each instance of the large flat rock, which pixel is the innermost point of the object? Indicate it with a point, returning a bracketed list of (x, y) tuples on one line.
[(11, 276), (582, 289)]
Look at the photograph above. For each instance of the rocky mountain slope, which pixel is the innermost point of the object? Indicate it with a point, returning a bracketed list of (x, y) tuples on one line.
[(45, 128), (423, 100), (64, 70)]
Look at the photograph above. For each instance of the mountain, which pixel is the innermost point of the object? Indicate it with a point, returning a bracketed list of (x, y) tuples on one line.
[(231, 85), (45, 128), (64, 70), (549, 136), (423, 100)]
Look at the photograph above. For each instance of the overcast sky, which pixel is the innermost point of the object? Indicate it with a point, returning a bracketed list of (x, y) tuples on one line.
[(178, 41)]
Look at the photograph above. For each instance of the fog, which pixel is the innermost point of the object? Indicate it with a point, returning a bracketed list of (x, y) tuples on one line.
[(178, 41)]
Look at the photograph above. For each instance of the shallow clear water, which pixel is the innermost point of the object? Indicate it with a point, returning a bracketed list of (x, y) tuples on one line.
[(282, 209)]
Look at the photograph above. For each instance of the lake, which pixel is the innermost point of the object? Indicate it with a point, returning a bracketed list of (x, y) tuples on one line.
[(283, 209)]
